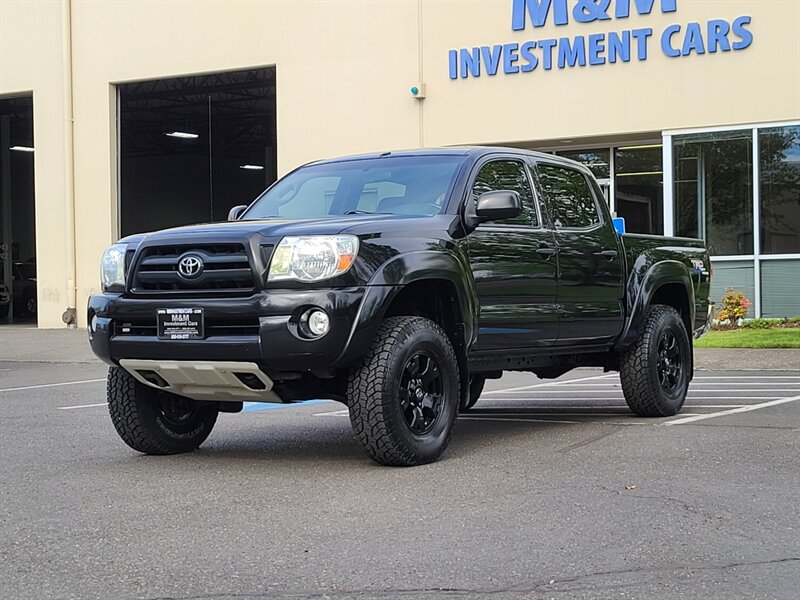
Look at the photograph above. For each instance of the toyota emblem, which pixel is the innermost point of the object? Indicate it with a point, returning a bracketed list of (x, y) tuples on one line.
[(190, 266)]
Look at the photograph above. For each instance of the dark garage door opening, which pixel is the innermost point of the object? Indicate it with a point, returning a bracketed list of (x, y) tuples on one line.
[(17, 212), (193, 147)]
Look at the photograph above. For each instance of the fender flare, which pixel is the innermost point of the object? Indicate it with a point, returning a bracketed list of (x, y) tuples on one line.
[(393, 276), (645, 287)]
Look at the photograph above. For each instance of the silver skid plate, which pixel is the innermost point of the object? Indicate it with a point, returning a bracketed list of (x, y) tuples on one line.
[(204, 380)]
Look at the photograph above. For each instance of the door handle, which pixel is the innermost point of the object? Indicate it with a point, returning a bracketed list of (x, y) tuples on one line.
[(545, 251), (609, 254)]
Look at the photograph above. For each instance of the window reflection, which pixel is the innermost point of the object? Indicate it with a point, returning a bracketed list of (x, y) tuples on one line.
[(779, 151), (639, 189), (597, 160), (714, 190)]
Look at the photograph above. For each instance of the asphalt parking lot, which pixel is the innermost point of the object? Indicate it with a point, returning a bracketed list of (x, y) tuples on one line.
[(548, 490)]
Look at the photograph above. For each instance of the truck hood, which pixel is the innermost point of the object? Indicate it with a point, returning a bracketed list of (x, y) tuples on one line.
[(277, 228)]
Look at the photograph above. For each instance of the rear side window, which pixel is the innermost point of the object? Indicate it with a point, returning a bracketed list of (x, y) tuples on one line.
[(507, 175), (569, 197)]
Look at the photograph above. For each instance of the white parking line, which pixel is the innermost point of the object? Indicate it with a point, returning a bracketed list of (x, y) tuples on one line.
[(583, 396), (335, 413), (82, 406), (747, 376), (751, 407), (547, 384), (621, 406), (744, 383), (47, 385)]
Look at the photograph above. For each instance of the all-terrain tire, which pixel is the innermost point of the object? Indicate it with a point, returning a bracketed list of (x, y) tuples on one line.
[(655, 371), (155, 422), (476, 383), (379, 409)]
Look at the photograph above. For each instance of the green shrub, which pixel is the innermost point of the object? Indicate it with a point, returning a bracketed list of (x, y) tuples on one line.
[(761, 323)]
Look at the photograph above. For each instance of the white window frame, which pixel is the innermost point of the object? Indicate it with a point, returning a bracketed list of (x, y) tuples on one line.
[(669, 196)]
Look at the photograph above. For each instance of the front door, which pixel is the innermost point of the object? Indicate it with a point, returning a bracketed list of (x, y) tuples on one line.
[(590, 278), (514, 265)]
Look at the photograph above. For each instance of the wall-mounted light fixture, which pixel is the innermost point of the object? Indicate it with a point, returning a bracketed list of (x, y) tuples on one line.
[(182, 135)]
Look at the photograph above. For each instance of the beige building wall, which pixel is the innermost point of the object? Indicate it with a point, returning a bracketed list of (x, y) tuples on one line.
[(31, 51), (344, 69), (758, 84)]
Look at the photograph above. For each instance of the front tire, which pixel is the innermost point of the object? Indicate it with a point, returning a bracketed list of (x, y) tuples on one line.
[(655, 371), (403, 395), (156, 422), (29, 303)]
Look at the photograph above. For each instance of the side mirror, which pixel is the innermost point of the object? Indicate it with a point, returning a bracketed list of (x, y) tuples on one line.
[(236, 212), (492, 206)]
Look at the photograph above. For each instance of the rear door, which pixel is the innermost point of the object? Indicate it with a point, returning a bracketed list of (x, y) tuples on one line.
[(590, 264), (514, 265)]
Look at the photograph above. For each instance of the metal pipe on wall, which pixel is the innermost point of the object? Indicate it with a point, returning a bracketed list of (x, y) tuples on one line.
[(70, 314)]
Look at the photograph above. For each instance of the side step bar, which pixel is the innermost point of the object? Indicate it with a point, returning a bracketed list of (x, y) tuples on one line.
[(205, 380)]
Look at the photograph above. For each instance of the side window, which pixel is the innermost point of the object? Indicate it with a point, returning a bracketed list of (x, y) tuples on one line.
[(568, 196), (507, 175)]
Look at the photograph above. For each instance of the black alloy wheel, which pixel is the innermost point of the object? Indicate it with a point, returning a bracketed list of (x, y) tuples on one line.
[(670, 362), (421, 391), (177, 411)]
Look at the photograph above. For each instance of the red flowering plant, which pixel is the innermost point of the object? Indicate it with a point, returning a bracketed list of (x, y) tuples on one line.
[(734, 307)]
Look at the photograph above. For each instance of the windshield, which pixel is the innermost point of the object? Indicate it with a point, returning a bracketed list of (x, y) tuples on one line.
[(403, 185)]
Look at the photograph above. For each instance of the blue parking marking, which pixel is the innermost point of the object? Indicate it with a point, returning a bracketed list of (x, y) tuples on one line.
[(251, 406)]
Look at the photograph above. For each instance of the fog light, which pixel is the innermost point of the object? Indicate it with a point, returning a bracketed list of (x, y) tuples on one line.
[(317, 322)]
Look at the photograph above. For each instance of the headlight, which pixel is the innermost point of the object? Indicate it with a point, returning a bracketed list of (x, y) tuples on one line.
[(313, 258), (112, 267)]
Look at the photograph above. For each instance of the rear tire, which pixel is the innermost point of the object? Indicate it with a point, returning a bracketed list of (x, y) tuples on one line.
[(155, 422), (403, 395), (29, 303), (655, 371), (476, 383)]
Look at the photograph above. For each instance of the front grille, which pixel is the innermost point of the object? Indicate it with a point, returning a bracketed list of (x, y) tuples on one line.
[(214, 326), (226, 268)]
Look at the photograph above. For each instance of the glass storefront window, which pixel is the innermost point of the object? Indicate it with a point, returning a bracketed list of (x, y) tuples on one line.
[(714, 190), (779, 167), (639, 188), (597, 160)]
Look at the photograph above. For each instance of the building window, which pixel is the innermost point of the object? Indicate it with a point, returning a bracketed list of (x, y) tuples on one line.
[(779, 157), (597, 160), (639, 188), (714, 190)]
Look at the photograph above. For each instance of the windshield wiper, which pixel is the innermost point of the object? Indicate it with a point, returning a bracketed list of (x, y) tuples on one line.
[(365, 212)]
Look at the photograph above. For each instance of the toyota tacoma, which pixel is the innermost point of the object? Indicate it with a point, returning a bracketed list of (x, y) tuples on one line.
[(394, 283)]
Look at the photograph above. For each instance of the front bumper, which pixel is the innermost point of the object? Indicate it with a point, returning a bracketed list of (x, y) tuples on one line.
[(265, 331)]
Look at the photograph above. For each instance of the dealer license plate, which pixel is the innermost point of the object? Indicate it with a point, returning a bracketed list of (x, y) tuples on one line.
[(180, 323)]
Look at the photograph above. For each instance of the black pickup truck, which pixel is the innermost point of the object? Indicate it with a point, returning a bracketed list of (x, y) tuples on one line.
[(395, 283)]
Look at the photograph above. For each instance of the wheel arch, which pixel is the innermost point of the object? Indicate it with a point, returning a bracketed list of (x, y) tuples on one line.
[(667, 282), (432, 284)]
